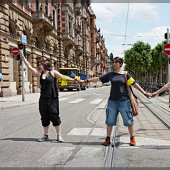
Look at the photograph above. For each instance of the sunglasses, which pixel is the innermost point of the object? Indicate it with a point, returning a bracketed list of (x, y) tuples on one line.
[(115, 62)]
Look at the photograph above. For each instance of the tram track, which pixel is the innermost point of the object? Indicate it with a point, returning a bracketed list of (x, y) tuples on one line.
[(157, 107)]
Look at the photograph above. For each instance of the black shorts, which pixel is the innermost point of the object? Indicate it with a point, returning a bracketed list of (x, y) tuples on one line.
[(49, 111)]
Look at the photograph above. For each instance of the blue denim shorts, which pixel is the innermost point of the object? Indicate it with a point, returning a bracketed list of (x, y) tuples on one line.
[(114, 107)]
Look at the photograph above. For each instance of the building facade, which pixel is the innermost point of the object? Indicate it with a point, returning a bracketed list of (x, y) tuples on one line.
[(58, 32)]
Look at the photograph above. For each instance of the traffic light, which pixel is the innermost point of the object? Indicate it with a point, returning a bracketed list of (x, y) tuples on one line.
[(20, 46), (165, 36), (24, 51), (18, 57)]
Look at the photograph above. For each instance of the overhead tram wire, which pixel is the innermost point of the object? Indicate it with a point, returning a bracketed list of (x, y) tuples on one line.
[(126, 25)]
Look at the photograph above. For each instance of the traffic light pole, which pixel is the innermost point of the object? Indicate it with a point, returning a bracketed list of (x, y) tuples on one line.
[(168, 62), (22, 70)]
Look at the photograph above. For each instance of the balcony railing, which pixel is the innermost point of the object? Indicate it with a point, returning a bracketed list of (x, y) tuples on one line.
[(40, 15)]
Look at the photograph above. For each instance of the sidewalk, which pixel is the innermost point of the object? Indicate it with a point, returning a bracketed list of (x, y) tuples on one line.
[(30, 99), (152, 138)]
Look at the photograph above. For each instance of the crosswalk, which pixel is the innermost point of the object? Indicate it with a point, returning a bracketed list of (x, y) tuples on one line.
[(78, 100)]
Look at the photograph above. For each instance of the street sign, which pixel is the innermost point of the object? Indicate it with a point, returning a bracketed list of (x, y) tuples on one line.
[(23, 39), (166, 49), (15, 51)]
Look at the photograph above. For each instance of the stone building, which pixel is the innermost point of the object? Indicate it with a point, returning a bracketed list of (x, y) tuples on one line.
[(41, 23), (98, 51), (58, 32), (75, 29)]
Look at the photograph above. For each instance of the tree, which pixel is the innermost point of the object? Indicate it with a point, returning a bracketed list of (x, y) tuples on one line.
[(138, 59), (159, 61)]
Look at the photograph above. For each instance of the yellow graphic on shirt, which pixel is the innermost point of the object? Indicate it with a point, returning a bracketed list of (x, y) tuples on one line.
[(64, 81), (130, 81)]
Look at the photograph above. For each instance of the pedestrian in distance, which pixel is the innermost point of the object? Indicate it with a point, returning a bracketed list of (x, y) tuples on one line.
[(1, 82), (48, 102), (119, 99), (164, 88)]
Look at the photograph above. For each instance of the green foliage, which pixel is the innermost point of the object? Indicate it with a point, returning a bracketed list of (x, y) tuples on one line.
[(138, 58)]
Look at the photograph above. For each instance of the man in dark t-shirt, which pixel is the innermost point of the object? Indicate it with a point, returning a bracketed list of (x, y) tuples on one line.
[(119, 99)]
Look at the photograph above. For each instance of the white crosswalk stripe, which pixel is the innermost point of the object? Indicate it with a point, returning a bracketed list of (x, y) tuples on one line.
[(96, 101), (61, 99), (77, 100), (86, 131)]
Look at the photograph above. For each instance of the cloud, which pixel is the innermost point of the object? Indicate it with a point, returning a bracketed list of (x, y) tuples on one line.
[(156, 35), (142, 11), (105, 12)]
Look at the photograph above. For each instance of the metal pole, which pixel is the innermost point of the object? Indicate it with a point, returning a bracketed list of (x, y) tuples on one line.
[(168, 61), (22, 70)]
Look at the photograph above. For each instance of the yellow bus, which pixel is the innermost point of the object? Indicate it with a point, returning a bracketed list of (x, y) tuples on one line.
[(70, 85)]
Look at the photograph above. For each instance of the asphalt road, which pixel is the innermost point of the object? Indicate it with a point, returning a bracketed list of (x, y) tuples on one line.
[(21, 127)]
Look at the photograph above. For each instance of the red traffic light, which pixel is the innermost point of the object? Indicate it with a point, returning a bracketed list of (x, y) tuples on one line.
[(21, 46)]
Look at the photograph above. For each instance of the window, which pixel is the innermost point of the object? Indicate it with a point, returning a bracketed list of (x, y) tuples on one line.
[(46, 8), (91, 22), (69, 24), (12, 35), (37, 5), (54, 18), (92, 39), (91, 51)]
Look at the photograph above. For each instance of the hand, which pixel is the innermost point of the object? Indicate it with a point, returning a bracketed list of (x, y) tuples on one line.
[(148, 95), (21, 53), (76, 80), (154, 94), (80, 81)]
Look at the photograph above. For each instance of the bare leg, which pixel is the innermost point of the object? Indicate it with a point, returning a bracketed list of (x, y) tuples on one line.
[(131, 130), (58, 129), (109, 130), (46, 130)]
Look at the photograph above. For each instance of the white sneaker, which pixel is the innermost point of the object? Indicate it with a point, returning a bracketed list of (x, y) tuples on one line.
[(59, 138), (44, 138)]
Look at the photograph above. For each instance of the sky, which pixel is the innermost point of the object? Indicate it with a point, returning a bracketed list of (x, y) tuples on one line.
[(127, 23)]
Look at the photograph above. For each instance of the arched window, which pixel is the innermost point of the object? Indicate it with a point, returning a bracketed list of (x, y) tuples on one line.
[(11, 32)]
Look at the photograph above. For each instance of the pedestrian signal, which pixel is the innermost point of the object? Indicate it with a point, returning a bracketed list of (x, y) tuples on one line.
[(18, 57), (20, 46)]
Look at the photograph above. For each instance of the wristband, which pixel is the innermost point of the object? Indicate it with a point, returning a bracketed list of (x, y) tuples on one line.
[(86, 80)]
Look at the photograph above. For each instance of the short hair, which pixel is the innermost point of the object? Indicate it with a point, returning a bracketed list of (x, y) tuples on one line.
[(46, 64), (118, 59)]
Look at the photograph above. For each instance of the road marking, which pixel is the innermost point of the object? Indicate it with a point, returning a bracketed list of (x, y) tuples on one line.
[(79, 131), (56, 156), (61, 99), (98, 132), (77, 100), (142, 142), (96, 101), (86, 131)]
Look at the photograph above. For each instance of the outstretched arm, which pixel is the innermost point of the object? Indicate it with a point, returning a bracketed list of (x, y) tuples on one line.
[(59, 75), (95, 79), (141, 90), (165, 87), (33, 70)]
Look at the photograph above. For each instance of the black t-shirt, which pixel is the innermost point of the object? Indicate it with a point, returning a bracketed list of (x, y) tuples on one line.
[(118, 90)]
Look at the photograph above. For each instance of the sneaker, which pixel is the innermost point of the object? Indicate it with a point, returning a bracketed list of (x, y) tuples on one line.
[(59, 138), (44, 138), (107, 141), (132, 141)]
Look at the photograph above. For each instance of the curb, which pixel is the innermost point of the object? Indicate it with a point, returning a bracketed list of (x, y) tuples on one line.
[(17, 106)]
